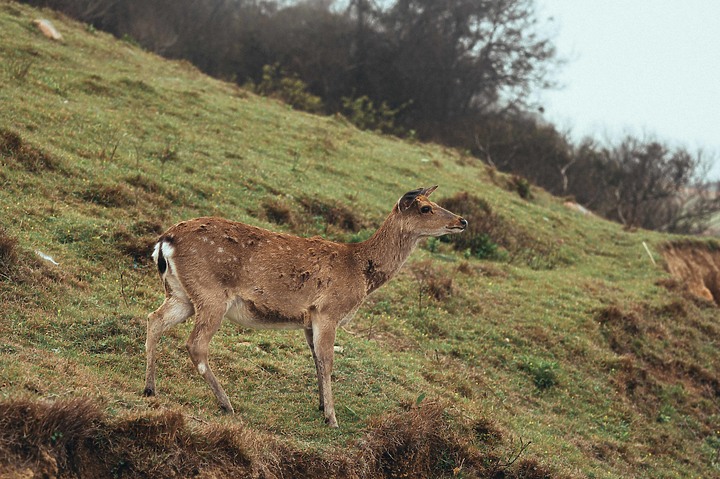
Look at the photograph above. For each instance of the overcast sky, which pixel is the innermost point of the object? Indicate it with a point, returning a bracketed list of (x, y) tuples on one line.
[(640, 67)]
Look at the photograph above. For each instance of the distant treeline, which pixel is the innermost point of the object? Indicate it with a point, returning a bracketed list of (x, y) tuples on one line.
[(457, 72)]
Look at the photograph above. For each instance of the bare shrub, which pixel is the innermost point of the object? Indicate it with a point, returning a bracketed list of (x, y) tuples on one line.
[(432, 281)]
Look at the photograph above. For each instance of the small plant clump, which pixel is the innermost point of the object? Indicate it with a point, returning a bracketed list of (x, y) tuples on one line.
[(542, 371), (521, 186)]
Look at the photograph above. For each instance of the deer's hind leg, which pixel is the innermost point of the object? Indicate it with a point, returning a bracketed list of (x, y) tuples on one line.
[(174, 310)]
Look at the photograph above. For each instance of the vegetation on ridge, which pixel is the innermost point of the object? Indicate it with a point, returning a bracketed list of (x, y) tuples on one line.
[(570, 348)]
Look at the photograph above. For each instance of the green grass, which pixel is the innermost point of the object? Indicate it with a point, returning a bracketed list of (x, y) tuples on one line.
[(568, 339)]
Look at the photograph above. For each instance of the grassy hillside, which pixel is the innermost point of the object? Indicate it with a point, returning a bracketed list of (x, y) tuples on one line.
[(566, 352)]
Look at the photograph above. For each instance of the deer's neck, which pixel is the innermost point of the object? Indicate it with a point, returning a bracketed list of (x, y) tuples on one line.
[(383, 254)]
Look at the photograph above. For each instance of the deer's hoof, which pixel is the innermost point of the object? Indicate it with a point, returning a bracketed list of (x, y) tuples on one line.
[(227, 409)]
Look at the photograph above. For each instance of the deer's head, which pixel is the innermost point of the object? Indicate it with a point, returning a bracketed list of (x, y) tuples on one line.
[(426, 218)]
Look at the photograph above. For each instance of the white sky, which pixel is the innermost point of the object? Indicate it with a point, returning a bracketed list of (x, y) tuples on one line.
[(639, 67)]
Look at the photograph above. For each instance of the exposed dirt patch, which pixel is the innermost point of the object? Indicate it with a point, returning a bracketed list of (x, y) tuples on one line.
[(696, 265)]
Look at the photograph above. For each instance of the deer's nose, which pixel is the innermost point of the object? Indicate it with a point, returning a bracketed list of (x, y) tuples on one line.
[(463, 222)]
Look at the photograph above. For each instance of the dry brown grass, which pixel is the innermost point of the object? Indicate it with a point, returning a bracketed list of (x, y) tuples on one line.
[(75, 438)]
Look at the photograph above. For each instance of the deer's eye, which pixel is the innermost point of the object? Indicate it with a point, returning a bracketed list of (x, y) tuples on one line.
[(425, 209)]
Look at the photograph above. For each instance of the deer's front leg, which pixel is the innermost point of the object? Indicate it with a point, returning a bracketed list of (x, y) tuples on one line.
[(309, 339), (323, 339)]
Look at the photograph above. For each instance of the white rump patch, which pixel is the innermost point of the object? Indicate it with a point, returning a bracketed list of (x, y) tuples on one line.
[(156, 252), (167, 250)]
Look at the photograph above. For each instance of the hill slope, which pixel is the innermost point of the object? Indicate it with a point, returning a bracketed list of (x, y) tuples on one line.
[(571, 339)]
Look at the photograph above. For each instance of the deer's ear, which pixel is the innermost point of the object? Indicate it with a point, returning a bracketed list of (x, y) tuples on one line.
[(428, 191), (408, 198)]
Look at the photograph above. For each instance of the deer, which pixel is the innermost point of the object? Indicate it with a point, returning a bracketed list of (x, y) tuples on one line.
[(217, 269)]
